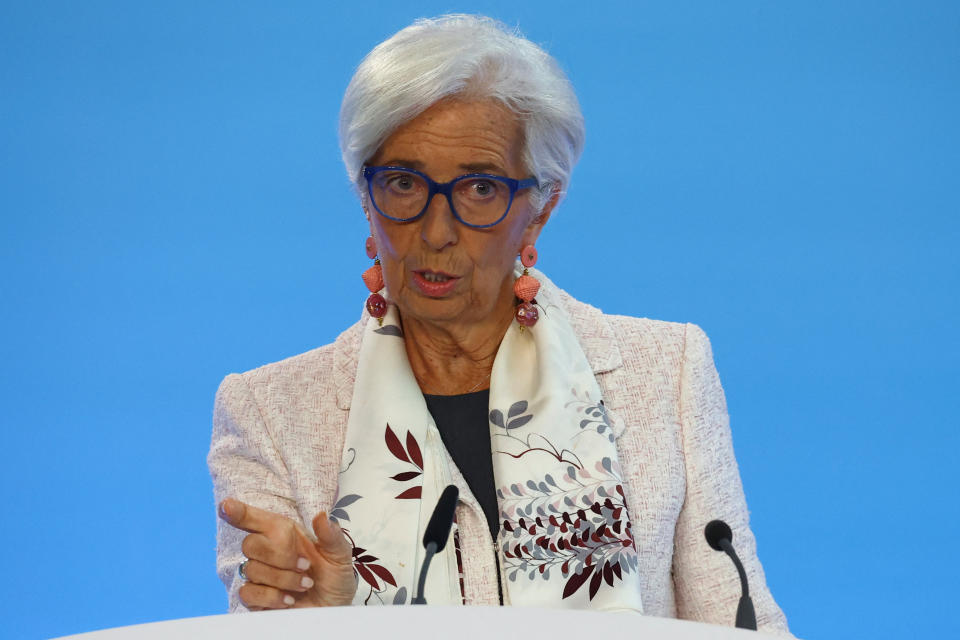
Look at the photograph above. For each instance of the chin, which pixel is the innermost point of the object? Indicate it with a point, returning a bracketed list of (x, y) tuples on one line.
[(439, 310)]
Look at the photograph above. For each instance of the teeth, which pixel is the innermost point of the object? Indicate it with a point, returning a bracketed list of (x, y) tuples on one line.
[(434, 277)]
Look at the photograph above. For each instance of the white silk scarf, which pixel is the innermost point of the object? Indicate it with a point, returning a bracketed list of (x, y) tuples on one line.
[(565, 538)]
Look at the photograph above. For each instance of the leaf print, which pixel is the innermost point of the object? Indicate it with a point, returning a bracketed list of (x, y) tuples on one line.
[(608, 573), (597, 419), (346, 501), (616, 570), (496, 417), (414, 450), (577, 523), (410, 455), (389, 330), (413, 493), (406, 475), (339, 514), (383, 574), (576, 581), (519, 422), (517, 408), (367, 576), (595, 583), (393, 444), (401, 596)]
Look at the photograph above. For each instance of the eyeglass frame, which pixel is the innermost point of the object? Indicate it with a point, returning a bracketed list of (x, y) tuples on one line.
[(446, 188)]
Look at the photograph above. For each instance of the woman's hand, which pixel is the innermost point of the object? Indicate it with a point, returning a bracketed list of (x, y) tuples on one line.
[(286, 568)]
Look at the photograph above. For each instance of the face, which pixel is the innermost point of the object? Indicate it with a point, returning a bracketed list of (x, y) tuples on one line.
[(436, 269)]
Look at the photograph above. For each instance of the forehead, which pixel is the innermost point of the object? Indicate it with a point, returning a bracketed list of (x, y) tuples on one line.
[(454, 134)]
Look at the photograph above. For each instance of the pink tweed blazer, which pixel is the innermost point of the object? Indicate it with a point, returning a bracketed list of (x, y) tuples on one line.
[(278, 434)]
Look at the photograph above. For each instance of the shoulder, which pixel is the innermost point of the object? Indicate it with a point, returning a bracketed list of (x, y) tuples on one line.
[(325, 368), (638, 340)]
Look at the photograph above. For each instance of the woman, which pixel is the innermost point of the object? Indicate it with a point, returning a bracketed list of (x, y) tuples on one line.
[(592, 448)]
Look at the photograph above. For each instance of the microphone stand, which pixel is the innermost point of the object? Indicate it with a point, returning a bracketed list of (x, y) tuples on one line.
[(422, 580), (746, 617)]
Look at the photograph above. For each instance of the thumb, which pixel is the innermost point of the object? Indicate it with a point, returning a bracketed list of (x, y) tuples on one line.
[(330, 539)]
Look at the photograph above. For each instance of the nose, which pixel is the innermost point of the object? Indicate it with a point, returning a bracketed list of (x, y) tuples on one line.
[(438, 227)]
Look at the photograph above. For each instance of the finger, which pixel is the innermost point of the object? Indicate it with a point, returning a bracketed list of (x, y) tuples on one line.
[(248, 518), (258, 546), (263, 574), (330, 540), (258, 595)]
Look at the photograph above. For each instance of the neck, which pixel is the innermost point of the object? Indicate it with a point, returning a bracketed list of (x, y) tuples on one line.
[(451, 360)]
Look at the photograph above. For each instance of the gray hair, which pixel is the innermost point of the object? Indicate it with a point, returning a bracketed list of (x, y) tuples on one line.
[(472, 57)]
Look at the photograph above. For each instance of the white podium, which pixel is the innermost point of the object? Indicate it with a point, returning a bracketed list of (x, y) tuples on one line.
[(419, 623)]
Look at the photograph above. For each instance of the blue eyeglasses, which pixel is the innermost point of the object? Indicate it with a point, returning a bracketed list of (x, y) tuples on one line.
[(478, 200)]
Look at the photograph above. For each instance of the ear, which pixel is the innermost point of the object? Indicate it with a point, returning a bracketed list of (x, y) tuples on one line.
[(364, 207), (532, 232)]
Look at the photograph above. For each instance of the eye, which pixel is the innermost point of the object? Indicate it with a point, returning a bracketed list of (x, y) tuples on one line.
[(481, 188), (400, 182)]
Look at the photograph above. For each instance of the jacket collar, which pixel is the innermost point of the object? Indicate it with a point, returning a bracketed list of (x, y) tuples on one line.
[(596, 336)]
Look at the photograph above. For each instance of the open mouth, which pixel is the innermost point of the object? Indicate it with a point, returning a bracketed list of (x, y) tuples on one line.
[(435, 276), (435, 283), (431, 276)]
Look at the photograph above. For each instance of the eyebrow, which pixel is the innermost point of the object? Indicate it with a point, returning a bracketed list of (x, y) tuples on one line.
[(469, 167), (483, 167), (400, 162)]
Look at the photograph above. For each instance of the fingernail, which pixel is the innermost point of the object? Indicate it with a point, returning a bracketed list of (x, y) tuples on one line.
[(223, 510), (303, 564), (288, 600), (306, 582)]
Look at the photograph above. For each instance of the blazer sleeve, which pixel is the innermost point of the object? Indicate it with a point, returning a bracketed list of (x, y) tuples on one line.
[(245, 464), (706, 585)]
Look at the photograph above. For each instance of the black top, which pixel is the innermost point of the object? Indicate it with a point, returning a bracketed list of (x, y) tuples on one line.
[(465, 431)]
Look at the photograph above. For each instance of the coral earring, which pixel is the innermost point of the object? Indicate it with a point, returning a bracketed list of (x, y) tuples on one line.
[(373, 278), (528, 256), (526, 288)]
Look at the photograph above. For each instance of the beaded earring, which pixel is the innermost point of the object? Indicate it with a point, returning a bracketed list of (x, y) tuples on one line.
[(373, 278), (525, 288)]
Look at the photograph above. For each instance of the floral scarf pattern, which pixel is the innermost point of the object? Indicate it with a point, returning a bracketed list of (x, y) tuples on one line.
[(565, 539)]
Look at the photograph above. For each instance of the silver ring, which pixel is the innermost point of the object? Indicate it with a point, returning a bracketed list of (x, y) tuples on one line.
[(242, 570)]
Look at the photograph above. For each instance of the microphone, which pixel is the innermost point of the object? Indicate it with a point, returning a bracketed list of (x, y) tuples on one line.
[(436, 534), (719, 537)]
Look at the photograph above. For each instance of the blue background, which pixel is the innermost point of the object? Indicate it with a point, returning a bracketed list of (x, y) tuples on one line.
[(173, 208)]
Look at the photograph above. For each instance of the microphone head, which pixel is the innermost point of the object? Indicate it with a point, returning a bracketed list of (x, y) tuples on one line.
[(438, 529), (715, 531)]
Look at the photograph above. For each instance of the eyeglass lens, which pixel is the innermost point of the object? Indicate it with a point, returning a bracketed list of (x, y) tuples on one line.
[(403, 195)]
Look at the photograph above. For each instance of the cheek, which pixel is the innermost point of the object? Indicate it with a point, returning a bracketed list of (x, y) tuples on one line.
[(391, 251), (496, 262)]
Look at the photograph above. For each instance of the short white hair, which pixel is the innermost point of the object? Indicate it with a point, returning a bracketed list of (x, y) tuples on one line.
[(472, 57)]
